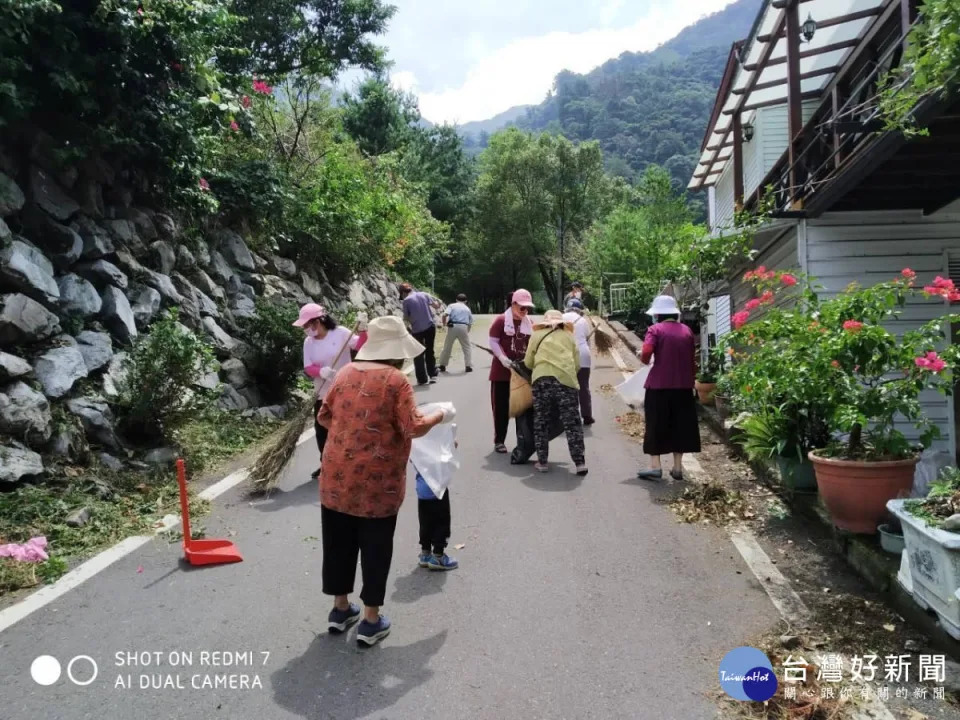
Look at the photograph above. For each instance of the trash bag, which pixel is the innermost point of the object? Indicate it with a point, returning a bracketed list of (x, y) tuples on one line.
[(434, 456), (521, 395), (932, 461), (632, 390), (526, 441)]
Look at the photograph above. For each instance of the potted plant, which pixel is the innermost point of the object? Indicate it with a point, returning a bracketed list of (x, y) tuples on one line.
[(722, 396), (770, 435), (706, 382), (868, 384), (930, 564)]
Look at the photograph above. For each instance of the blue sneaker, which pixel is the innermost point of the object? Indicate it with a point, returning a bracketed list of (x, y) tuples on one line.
[(340, 620), (370, 633), (424, 559), (442, 562)]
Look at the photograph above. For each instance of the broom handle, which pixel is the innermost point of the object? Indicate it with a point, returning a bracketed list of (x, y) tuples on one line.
[(340, 354)]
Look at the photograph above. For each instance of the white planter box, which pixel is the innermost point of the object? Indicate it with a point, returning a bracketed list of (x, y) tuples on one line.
[(930, 566)]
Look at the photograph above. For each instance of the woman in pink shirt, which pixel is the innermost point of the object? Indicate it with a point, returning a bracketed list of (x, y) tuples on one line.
[(669, 406)]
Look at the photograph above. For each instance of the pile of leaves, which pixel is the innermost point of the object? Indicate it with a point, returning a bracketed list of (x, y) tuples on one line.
[(709, 503), (632, 424)]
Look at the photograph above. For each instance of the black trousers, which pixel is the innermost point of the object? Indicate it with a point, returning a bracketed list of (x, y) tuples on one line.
[(345, 536), (500, 400), (434, 524), (426, 363), (320, 429)]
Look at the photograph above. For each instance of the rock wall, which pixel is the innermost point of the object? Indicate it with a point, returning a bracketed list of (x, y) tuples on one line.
[(84, 270)]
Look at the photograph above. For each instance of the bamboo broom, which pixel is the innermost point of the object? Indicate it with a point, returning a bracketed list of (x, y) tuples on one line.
[(266, 471)]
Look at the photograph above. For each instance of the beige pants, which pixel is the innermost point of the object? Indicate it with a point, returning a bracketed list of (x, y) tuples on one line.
[(456, 332)]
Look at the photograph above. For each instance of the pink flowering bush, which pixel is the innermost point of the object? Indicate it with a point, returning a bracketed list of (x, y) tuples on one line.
[(839, 379)]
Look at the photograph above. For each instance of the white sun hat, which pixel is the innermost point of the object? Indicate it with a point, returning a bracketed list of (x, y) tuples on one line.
[(664, 305)]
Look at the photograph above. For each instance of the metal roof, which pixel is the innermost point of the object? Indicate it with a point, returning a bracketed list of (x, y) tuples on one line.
[(759, 78)]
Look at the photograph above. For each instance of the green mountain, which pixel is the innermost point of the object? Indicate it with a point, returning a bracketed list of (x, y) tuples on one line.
[(650, 107), (497, 122)]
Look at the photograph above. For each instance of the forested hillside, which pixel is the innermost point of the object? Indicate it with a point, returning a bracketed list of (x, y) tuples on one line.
[(647, 108)]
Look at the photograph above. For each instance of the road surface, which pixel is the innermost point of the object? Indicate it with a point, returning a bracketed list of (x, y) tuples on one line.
[(575, 598)]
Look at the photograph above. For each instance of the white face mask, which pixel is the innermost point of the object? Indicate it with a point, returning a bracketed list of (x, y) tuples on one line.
[(311, 333)]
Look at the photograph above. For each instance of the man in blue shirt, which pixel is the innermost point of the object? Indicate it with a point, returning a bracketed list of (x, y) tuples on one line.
[(418, 312), (459, 321)]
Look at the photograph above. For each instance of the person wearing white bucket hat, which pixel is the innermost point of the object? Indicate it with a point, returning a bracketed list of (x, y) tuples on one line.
[(372, 417), (670, 411)]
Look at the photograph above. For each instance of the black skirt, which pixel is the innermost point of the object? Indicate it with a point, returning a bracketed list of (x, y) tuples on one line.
[(671, 422)]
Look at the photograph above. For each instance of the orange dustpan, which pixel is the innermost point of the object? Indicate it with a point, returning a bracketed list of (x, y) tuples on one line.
[(201, 552)]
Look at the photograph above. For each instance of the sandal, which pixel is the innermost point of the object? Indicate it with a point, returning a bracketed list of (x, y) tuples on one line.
[(676, 474), (500, 448), (542, 468)]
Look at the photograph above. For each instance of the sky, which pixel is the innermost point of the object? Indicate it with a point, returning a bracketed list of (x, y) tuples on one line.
[(472, 59)]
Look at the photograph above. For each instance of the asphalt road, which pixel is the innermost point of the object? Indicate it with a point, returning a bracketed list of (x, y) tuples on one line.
[(576, 598)]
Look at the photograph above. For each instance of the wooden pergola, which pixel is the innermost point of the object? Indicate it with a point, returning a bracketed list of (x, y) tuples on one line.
[(798, 50)]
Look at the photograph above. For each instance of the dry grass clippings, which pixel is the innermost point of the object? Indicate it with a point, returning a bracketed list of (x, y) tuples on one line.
[(711, 503)]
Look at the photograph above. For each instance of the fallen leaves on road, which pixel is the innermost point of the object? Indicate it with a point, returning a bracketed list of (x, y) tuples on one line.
[(711, 503), (460, 546), (631, 424), (607, 389)]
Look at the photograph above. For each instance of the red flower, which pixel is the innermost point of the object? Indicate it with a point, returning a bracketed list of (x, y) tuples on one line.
[(762, 270), (853, 326), (908, 273), (942, 283), (752, 304), (204, 185), (748, 275), (261, 87), (140, 11), (788, 279), (234, 126), (835, 363), (740, 319), (953, 296), (932, 362), (245, 101), (767, 297)]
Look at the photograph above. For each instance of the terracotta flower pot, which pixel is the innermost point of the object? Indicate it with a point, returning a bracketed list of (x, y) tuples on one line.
[(706, 391), (856, 492)]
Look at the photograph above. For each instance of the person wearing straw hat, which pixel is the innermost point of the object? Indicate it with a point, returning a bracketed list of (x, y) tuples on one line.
[(582, 330), (554, 359), (372, 417), (669, 406), (509, 335), (324, 355)]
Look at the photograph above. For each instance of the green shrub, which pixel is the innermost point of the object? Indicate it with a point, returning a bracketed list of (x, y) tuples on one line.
[(278, 347), (159, 393)]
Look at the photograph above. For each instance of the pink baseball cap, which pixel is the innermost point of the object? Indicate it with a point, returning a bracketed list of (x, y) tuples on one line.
[(524, 298), (310, 311)]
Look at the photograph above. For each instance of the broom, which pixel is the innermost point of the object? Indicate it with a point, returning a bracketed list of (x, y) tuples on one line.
[(266, 471), (604, 341)]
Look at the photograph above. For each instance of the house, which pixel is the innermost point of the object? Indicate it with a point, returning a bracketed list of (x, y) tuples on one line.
[(796, 119)]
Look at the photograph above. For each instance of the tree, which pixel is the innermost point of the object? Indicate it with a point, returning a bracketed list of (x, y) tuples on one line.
[(312, 37), (379, 117)]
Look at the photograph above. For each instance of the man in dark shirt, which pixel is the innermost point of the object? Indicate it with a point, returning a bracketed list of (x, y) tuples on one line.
[(418, 312)]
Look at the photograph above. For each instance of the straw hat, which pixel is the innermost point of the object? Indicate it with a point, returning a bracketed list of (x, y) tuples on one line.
[(664, 305), (388, 339), (552, 318)]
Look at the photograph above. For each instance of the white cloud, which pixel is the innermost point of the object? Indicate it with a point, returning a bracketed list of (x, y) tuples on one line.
[(522, 72), (403, 80)]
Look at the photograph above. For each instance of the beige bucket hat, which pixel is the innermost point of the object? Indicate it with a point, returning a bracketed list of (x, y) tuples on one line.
[(388, 339)]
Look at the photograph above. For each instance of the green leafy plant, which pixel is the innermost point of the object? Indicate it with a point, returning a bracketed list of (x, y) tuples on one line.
[(160, 392), (277, 359)]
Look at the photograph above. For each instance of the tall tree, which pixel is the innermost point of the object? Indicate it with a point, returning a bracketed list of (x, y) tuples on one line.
[(379, 117)]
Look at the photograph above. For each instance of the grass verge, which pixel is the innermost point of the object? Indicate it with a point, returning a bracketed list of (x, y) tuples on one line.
[(119, 504)]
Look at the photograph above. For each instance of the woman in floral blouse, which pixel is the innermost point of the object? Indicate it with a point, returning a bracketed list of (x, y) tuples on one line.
[(372, 417)]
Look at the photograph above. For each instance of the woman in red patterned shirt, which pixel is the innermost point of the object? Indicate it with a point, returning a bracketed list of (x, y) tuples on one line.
[(372, 417)]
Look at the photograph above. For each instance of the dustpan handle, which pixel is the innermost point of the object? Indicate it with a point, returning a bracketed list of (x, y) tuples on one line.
[(184, 503)]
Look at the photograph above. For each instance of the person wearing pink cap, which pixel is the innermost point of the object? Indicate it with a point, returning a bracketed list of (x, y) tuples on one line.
[(509, 335), (321, 347)]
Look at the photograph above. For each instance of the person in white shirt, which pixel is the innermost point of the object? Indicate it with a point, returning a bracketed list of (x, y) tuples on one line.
[(459, 320), (325, 350), (582, 330)]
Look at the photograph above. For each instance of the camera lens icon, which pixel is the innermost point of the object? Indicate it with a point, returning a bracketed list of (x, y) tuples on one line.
[(46, 670)]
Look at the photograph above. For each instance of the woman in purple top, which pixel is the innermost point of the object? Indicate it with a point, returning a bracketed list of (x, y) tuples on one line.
[(669, 406)]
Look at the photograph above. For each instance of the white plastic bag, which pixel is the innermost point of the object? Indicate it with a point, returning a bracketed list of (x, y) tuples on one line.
[(632, 391), (434, 455), (932, 461)]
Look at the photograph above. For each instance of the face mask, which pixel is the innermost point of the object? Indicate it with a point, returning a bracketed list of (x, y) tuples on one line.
[(311, 333)]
